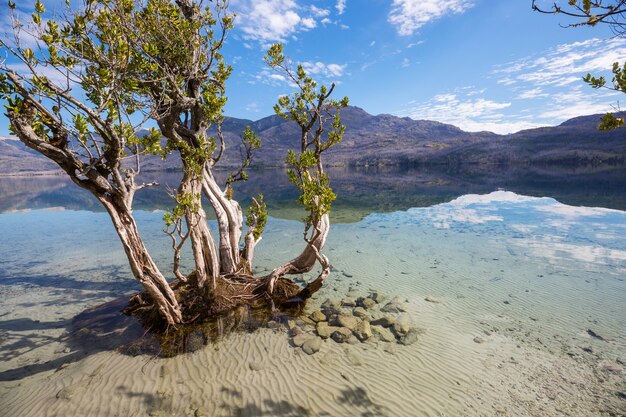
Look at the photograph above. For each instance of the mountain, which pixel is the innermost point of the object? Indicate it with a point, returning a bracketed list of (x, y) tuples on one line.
[(385, 140), (16, 158)]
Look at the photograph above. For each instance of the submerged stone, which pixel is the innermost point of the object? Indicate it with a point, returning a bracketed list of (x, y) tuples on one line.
[(317, 316), (393, 307), (312, 345), (433, 300), (385, 321), (479, 340), (344, 320), (348, 302), (331, 305), (361, 313), (367, 303), (201, 412), (299, 340), (341, 335), (363, 331), (383, 334), (324, 330), (409, 338), (305, 321), (377, 297), (402, 326)]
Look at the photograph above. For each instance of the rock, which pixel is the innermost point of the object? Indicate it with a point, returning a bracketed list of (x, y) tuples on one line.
[(610, 366), (291, 324), (66, 393), (363, 331), (341, 335), (324, 330), (433, 300), (401, 328), (385, 321), (409, 338), (393, 307), (352, 340), (201, 412), (479, 340), (347, 274), (383, 334), (375, 314), (367, 303), (361, 313), (67, 350), (344, 320), (402, 325), (331, 305), (255, 366), (273, 324), (312, 345), (377, 297), (348, 302), (317, 316), (299, 339), (305, 321), (598, 336)]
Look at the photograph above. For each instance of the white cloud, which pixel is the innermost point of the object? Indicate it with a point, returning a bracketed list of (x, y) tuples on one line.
[(573, 103), (273, 20), (309, 23), (327, 70), (405, 63), (410, 15), (318, 69), (564, 64), (341, 6), (469, 113), (56, 76), (532, 93), (317, 12), (412, 44), (253, 107), (269, 77)]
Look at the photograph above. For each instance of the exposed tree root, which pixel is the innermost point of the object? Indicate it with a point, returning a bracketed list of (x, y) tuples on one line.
[(204, 304)]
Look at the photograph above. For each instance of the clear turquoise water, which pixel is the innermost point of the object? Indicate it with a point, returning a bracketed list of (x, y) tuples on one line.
[(530, 269)]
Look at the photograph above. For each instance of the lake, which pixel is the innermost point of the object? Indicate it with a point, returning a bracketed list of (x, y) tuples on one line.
[(515, 278)]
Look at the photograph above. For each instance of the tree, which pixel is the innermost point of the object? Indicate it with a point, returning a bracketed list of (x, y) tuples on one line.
[(592, 13), (100, 73)]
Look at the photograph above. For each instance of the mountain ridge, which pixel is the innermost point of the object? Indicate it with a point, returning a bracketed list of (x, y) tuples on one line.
[(385, 139)]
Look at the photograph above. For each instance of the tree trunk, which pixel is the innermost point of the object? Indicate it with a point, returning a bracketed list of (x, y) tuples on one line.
[(143, 267), (202, 244), (306, 260), (229, 221)]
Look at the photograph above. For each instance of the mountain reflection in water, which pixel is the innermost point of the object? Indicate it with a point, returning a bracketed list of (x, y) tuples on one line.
[(360, 191)]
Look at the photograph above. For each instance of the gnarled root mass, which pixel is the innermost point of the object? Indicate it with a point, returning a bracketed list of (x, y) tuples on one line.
[(199, 305)]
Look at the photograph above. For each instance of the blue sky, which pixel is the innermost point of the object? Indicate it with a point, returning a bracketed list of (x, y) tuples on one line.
[(479, 64)]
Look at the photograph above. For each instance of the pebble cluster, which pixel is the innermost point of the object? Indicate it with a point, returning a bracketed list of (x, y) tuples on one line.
[(353, 321)]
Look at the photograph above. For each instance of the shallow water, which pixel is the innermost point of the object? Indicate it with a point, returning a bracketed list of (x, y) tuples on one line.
[(532, 278)]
